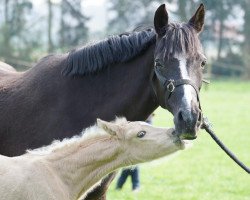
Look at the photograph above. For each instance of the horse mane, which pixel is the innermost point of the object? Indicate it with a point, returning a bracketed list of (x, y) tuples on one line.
[(95, 57), (179, 38), (86, 135)]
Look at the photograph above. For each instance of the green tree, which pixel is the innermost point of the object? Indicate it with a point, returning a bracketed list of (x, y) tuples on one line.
[(73, 30), (246, 31), (219, 12), (13, 27), (184, 8), (130, 13)]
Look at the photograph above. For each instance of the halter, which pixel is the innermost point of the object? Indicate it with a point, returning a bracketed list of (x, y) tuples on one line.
[(170, 85)]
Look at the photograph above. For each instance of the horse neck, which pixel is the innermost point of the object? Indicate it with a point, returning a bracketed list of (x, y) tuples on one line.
[(87, 162), (125, 89)]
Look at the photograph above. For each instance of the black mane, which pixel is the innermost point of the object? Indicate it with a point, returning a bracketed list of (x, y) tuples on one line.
[(119, 48)]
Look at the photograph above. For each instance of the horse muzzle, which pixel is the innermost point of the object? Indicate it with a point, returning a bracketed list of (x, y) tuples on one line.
[(187, 123)]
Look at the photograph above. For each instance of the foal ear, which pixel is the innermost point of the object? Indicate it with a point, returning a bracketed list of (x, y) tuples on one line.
[(197, 21), (161, 20), (109, 127)]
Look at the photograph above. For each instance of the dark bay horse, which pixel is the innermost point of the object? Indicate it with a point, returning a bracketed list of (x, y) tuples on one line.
[(126, 75)]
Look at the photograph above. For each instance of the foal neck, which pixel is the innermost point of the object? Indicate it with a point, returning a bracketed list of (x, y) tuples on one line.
[(81, 166)]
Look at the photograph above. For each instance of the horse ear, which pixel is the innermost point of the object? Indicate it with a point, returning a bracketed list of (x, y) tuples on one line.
[(197, 21), (161, 20), (109, 127)]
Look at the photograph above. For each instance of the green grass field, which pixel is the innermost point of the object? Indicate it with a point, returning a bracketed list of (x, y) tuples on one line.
[(203, 172)]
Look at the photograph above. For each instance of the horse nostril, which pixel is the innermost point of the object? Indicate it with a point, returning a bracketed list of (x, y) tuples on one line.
[(187, 123), (180, 117), (187, 118), (200, 116)]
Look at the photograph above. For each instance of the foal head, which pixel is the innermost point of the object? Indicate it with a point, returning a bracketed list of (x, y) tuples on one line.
[(179, 60), (141, 141)]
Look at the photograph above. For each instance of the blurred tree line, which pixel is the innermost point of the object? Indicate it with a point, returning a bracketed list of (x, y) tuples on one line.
[(24, 40), (226, 36)]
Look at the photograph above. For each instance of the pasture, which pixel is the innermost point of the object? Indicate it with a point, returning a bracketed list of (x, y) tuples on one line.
[(203, 172)]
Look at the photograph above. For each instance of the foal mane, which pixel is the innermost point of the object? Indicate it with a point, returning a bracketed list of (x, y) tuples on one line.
[(85, 136), (95, 57)]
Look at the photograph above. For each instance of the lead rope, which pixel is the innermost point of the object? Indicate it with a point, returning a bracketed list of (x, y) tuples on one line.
[(170, 86), (207, 126)]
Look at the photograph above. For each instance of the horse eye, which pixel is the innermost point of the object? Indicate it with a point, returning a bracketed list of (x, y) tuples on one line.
[(203, 63), (141, 134), (158, 64)]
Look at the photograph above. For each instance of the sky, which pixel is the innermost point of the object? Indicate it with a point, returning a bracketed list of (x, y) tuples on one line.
[(95, 9)]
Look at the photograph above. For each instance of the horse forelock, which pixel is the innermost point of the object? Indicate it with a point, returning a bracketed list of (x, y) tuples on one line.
[(179, 38), (115, 49)]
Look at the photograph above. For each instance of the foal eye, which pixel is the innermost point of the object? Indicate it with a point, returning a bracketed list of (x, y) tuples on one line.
[(141, 134), (203, 63)]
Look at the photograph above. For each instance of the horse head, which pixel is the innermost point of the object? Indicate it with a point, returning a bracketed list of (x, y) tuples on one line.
[(179, 60)]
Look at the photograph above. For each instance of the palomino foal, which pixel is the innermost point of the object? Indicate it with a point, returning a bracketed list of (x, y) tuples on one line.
[(66, 170)]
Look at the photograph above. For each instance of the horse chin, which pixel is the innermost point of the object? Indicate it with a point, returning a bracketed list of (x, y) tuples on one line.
[(183, 135), (187, 136)]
